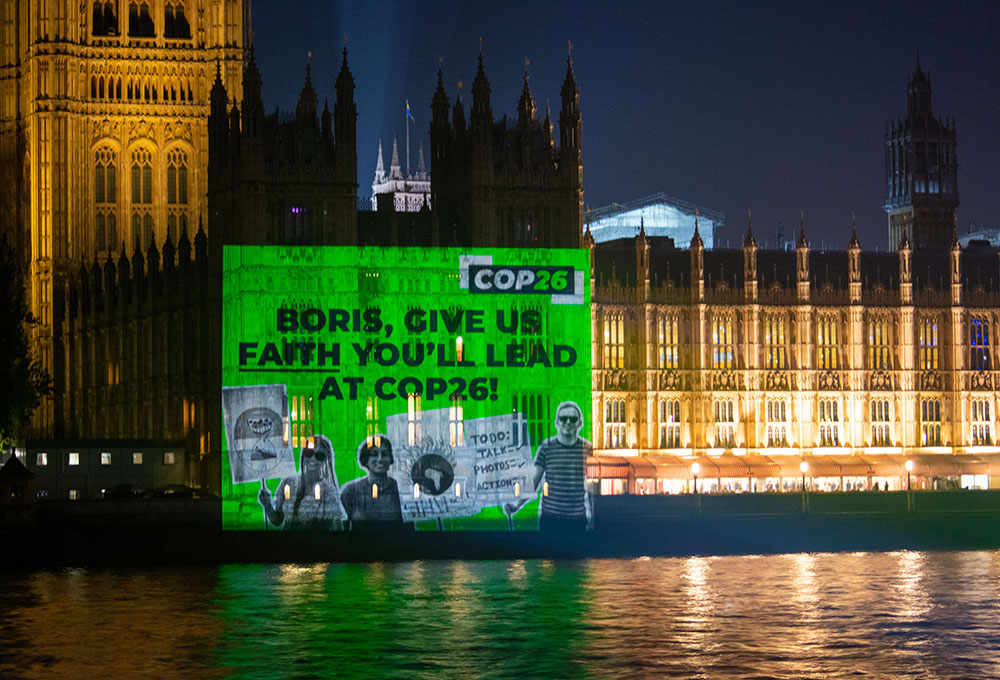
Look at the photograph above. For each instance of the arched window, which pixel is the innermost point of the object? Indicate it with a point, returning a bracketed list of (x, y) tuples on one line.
[(614, 424), (774, 342), (670, 423), (878, 344), (724, 413), (777, 422), (140, 21), (614, 341), (930, 422), (979, 343), (829, 422), (175, 24), (722, 341), (982, 425), (104, 18), (928, 344), (826, 342), (668, 341), (142, 198), (105, 200), (881, 425)]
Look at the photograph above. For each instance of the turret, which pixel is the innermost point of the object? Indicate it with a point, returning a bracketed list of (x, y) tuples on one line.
[(697, 264), (854, 264), (750, 263), (481, 116), (253, 104), (955, 257), (905, 276), (641, 262), (345, 119), (802, 262), (569, 116)]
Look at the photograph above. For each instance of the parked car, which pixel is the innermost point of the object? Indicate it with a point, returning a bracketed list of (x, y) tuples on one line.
[(125, 492)]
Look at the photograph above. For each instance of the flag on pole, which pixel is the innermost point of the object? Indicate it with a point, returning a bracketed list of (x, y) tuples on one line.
[(408, 114)]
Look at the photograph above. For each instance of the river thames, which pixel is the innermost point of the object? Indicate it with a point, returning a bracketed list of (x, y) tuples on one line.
[(870, 615)]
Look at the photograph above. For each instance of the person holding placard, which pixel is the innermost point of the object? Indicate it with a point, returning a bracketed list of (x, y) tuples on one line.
[(310, 500), (373, 501)]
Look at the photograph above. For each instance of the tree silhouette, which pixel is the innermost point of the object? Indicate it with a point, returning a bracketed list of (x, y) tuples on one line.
[(23, 383)]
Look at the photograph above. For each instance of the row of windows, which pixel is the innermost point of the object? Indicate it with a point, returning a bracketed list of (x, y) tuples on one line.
[(73, 458), (104, 19), (776, 348), (140, 89)]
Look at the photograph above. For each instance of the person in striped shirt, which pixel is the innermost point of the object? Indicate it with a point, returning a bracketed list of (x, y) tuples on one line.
[(562, 462)]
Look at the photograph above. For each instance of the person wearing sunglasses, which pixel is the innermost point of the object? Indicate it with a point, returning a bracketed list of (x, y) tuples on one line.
[(372, 502), (561, 461), (312, 499)]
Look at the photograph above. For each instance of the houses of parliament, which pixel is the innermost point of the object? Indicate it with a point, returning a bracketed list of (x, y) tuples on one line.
[(134, 143)]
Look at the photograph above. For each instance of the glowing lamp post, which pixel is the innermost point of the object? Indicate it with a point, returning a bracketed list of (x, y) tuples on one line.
[(695, 469), (804, 468), (909, 493)]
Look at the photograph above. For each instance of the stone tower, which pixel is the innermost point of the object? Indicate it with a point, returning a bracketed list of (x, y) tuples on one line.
[(103, 137), (921, 173)]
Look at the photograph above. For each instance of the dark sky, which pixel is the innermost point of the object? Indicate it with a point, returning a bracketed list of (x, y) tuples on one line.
[(773, 106)]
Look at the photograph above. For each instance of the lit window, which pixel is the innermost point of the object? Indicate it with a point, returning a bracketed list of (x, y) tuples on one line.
[(826, 342), (668, 342), (829, 422), (928, 344), (168, 458), (979, 344), (456, 425), (74, 494), (880, 422), (930, 422), (878, 344), (614, 424), (74, 458), (724, 413), (774, 342), (137, 458), (302, 415), (413, 428), (670, 423), (982, 426), (105, 458), (614, 341), (41, 459), (722, 341), (777, 422)]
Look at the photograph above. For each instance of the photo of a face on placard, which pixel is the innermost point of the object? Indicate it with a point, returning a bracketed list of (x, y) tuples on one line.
[(255, 432)]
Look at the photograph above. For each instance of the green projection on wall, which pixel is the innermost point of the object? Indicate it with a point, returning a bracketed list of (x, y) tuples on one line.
[(378, 388)]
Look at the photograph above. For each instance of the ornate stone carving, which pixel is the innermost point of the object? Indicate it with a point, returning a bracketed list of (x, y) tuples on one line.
[(670, 380), (141, 129), (177, 129), (727, 380), (777, 380), (829, 380), (880, 380), (105, 128), (929, 381), (981, 380)]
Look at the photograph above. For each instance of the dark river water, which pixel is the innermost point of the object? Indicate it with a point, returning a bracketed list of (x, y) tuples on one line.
[(868, 615)]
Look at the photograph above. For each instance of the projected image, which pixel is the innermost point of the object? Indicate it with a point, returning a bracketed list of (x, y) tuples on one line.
[(394, 389)]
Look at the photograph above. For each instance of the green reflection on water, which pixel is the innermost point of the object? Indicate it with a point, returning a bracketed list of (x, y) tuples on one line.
[(417, 619)]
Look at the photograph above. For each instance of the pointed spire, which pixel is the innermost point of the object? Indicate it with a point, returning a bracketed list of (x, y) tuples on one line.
[(379, 166), (696, 239), (642, 226), (749, 241), (306, 108), (904, 242), (802, 242), (954, 232), (395, 172), (526, 104), (421, 167), (855, 243)]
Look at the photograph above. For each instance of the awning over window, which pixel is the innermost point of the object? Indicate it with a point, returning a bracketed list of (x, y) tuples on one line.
[(607, 467)]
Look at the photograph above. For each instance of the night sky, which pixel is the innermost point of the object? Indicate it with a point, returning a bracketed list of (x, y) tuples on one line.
[(773, 106)]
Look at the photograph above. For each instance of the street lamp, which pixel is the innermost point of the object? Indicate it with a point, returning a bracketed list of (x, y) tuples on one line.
[(909, 492), (695, 469), (804, 468)]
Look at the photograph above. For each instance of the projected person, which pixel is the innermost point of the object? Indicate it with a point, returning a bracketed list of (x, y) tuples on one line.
[(373, 501), (310, 500), (561, 461)]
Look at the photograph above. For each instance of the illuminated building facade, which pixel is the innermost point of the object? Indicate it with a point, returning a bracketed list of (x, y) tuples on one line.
[(409, 193), (754, 360), (658, 215), (104, 150)]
